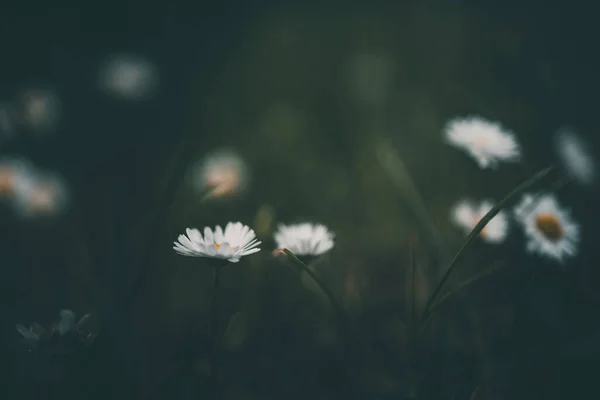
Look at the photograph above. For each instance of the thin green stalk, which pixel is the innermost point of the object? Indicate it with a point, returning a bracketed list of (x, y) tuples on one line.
[(479, 227), (395, 168), (460, 288), (350, 341), (464, 285), (175, 176), (332, 300)]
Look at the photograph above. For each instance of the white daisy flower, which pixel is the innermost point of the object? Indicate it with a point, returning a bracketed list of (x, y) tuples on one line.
[(551, 231), (221, 174), (466, 215), (235, 242), (129, 77), (484, 140), (304, 239), (575, 156), (39, 195)]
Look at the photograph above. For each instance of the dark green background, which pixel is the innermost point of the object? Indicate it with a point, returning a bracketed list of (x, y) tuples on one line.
[(267, 79)]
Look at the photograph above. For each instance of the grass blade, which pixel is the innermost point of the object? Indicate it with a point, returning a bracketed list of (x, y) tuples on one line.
[(479, 227)]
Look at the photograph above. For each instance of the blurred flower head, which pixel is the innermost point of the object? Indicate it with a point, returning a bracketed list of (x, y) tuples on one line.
[(12, 174), (467, 215), (40, 194), (39, 109), (575, 156), (304, 239), (487, 142), (221, 174), (550, 230), (235, 242), (128, 76)]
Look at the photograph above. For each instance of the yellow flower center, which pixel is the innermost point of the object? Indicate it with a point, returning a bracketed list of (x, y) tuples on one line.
[(549, 226), (217, 245)]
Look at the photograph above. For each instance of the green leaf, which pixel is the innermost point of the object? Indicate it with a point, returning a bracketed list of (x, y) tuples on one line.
[(237, 331)]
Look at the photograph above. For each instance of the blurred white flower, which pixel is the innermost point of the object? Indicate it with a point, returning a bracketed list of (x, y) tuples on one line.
[(466, 215), (38, 195), (304, 239), (13, 172), (221, 174), (39, 109), (575, 156), (484, 140), (550, 231), (235, 242), (128, 76)]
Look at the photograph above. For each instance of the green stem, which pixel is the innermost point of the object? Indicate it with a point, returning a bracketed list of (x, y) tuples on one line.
[(479, 227), (350, 338), (448, 296), (330, 296), (464, 285)]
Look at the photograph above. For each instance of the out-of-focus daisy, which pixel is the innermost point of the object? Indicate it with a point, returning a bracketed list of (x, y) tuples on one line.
[(221, 174), (40, 195), (550, 230), (575, 156), (466, 215), (39, 109), (484, 140), (12, 173), (304, 239), (128, 76), (235, 242)]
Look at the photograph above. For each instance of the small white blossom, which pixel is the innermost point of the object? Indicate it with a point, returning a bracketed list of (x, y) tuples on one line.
[(304, 239), (575, 156), (487, 142), (550, 231), (467, 215), (235, 242)]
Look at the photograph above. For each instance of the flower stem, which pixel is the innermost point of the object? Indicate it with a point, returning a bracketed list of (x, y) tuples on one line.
[(330, 296), (213, 331), (350, 338)]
